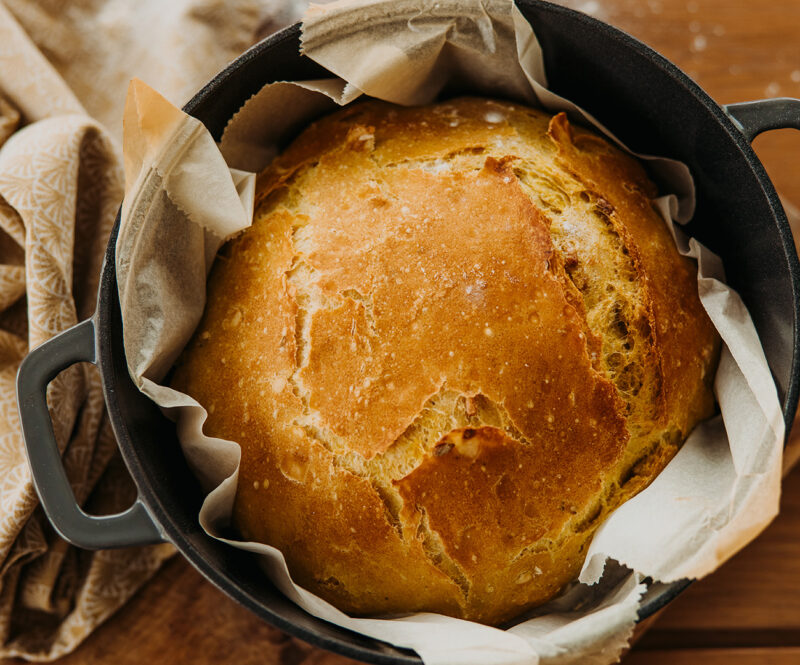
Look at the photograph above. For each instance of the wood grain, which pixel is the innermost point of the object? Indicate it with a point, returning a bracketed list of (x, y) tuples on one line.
[(778, 656), (748, 612)]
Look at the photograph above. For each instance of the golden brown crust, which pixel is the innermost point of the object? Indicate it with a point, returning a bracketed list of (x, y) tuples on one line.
[(453, 341)]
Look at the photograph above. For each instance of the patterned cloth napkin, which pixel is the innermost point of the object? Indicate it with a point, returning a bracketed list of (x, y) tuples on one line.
[(64, 70)]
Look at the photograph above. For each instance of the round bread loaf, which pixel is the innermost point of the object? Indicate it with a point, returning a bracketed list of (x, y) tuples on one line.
[(454, 339)]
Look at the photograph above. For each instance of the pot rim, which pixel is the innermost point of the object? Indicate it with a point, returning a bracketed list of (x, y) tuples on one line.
[(358, 646)]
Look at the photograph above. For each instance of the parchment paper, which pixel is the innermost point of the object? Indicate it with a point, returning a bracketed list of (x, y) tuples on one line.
[(182, 201)]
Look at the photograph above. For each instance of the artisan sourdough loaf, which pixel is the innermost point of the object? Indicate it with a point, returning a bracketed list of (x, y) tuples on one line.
[(455, 338)]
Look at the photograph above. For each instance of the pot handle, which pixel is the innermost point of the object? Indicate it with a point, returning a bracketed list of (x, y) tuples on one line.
[(131, 527), (752, 118)]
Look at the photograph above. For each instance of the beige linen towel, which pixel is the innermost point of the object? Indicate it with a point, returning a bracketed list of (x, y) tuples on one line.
[(64, 70)]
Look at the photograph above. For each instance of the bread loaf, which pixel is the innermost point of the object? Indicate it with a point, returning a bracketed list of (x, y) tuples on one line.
[(455, 338)]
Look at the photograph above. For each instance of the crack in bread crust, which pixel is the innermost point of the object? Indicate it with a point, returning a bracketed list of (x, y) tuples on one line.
[(434, 549), (445, 411)]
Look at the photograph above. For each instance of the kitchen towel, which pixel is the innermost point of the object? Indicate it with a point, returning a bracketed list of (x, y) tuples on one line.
[(64, 71)]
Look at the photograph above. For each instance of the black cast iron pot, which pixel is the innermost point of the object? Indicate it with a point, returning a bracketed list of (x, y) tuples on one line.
[(644, 99)]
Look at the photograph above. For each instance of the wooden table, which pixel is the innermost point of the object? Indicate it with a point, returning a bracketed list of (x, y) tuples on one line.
[(746, 613)]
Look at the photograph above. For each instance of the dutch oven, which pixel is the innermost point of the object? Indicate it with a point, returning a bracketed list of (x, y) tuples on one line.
[(641, 97)]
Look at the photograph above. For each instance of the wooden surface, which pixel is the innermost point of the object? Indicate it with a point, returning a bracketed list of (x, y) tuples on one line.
[(748, 612)]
